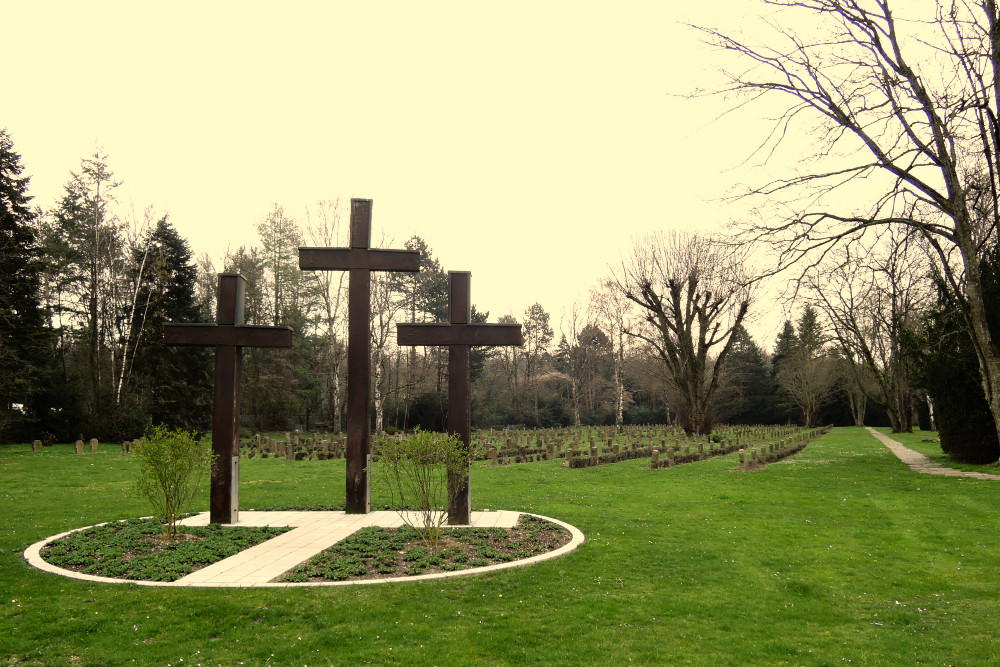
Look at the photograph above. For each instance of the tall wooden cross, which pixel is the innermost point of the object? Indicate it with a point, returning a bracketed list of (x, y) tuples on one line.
[(360, 260), (459, 336), (229, 337)]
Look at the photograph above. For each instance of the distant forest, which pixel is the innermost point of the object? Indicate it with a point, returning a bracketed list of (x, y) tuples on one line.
[(87, 288)]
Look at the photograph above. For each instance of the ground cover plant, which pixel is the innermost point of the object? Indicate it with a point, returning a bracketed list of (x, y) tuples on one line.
[(840, 553), (373, 552), (138, 549)]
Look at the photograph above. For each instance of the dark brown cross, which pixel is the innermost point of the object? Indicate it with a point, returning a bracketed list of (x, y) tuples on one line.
[(229, 337), (360, 260), (459, 336)]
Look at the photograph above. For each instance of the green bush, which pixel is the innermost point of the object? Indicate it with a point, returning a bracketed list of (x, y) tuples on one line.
[(172, 466), (415, 469)]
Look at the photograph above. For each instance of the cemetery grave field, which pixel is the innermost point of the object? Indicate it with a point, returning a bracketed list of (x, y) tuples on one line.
[(838, 553)]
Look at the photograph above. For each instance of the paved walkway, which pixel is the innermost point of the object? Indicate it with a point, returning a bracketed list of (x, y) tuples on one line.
[(921, 463), (312, 533)]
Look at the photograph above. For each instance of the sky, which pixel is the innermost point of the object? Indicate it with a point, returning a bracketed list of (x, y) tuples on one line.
[(531, 143)]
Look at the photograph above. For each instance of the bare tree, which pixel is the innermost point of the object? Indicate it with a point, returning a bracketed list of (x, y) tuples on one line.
[(910, 104), (810, 378), (569, 328), (613, 311), (694, 294), (323, 230), (870, 299), (387, 301)]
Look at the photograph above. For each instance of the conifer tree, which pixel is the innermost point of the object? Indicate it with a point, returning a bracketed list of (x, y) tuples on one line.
[(23, 333)]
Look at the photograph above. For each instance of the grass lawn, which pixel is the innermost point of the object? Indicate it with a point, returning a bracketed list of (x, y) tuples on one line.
[(840, 553)]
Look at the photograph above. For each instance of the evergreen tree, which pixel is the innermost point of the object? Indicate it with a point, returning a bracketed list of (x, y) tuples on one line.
[(23, 334), (807, 374), (947, 367), (785, 409), (747, 395), (172, 384)]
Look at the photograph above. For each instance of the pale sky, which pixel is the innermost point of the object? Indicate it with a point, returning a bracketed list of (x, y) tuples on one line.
[(527, 142)]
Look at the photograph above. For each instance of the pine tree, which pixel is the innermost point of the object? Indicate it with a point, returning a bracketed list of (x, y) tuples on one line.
[(23, 334), (172, 385), (747, 395)]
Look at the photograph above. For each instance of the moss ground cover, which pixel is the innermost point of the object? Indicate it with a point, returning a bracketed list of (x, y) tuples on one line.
[(136, 549), (840, 553), (374, 552)]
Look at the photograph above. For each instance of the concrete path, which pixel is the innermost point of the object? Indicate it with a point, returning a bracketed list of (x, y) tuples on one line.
[(312, 533), (921, 463)]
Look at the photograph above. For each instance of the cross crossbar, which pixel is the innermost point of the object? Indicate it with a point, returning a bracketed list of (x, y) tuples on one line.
[(459, 334), (226, 334), (345, 259)]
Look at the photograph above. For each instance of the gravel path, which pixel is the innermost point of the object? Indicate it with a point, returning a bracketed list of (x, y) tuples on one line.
[(921, 463)]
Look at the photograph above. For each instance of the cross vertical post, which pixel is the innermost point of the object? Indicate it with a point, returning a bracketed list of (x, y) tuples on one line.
[(359, 260), (459, 335), (459, 396), (359, 366), (224, 500), (229, 336)]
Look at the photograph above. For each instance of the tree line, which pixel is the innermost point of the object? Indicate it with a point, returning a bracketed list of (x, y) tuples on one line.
[(661, 338)]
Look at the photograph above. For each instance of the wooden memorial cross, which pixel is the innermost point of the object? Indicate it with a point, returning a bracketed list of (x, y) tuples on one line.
[(459, 335), (229, 337), (360, 260)]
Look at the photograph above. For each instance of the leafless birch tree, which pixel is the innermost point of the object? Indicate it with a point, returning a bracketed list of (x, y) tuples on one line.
[(323, 230), (613, 312)]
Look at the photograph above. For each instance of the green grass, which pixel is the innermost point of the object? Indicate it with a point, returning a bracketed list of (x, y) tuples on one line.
[(840, 553), (932, 450)]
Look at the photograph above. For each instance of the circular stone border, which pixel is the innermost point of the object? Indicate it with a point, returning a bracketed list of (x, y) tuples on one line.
[(33, 555)]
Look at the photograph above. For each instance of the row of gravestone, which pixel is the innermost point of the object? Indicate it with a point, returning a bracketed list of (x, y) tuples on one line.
[(78, 446), (598, 445), (771, 452), (540, 438), (295, 448), (610, 447), (509, 443)]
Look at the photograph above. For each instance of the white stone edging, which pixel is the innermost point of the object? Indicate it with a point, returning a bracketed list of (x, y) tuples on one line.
[(34, 558)]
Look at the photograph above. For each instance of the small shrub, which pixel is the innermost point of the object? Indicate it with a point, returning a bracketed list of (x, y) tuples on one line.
[(172, 466), (416, 469)]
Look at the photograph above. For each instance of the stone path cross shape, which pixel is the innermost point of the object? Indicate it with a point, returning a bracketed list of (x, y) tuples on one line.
[(459, 335), (229, 337), (359, 260)]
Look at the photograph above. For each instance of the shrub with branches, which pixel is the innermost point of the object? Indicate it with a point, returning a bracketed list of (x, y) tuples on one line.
[(415, 469), (172, 466)]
